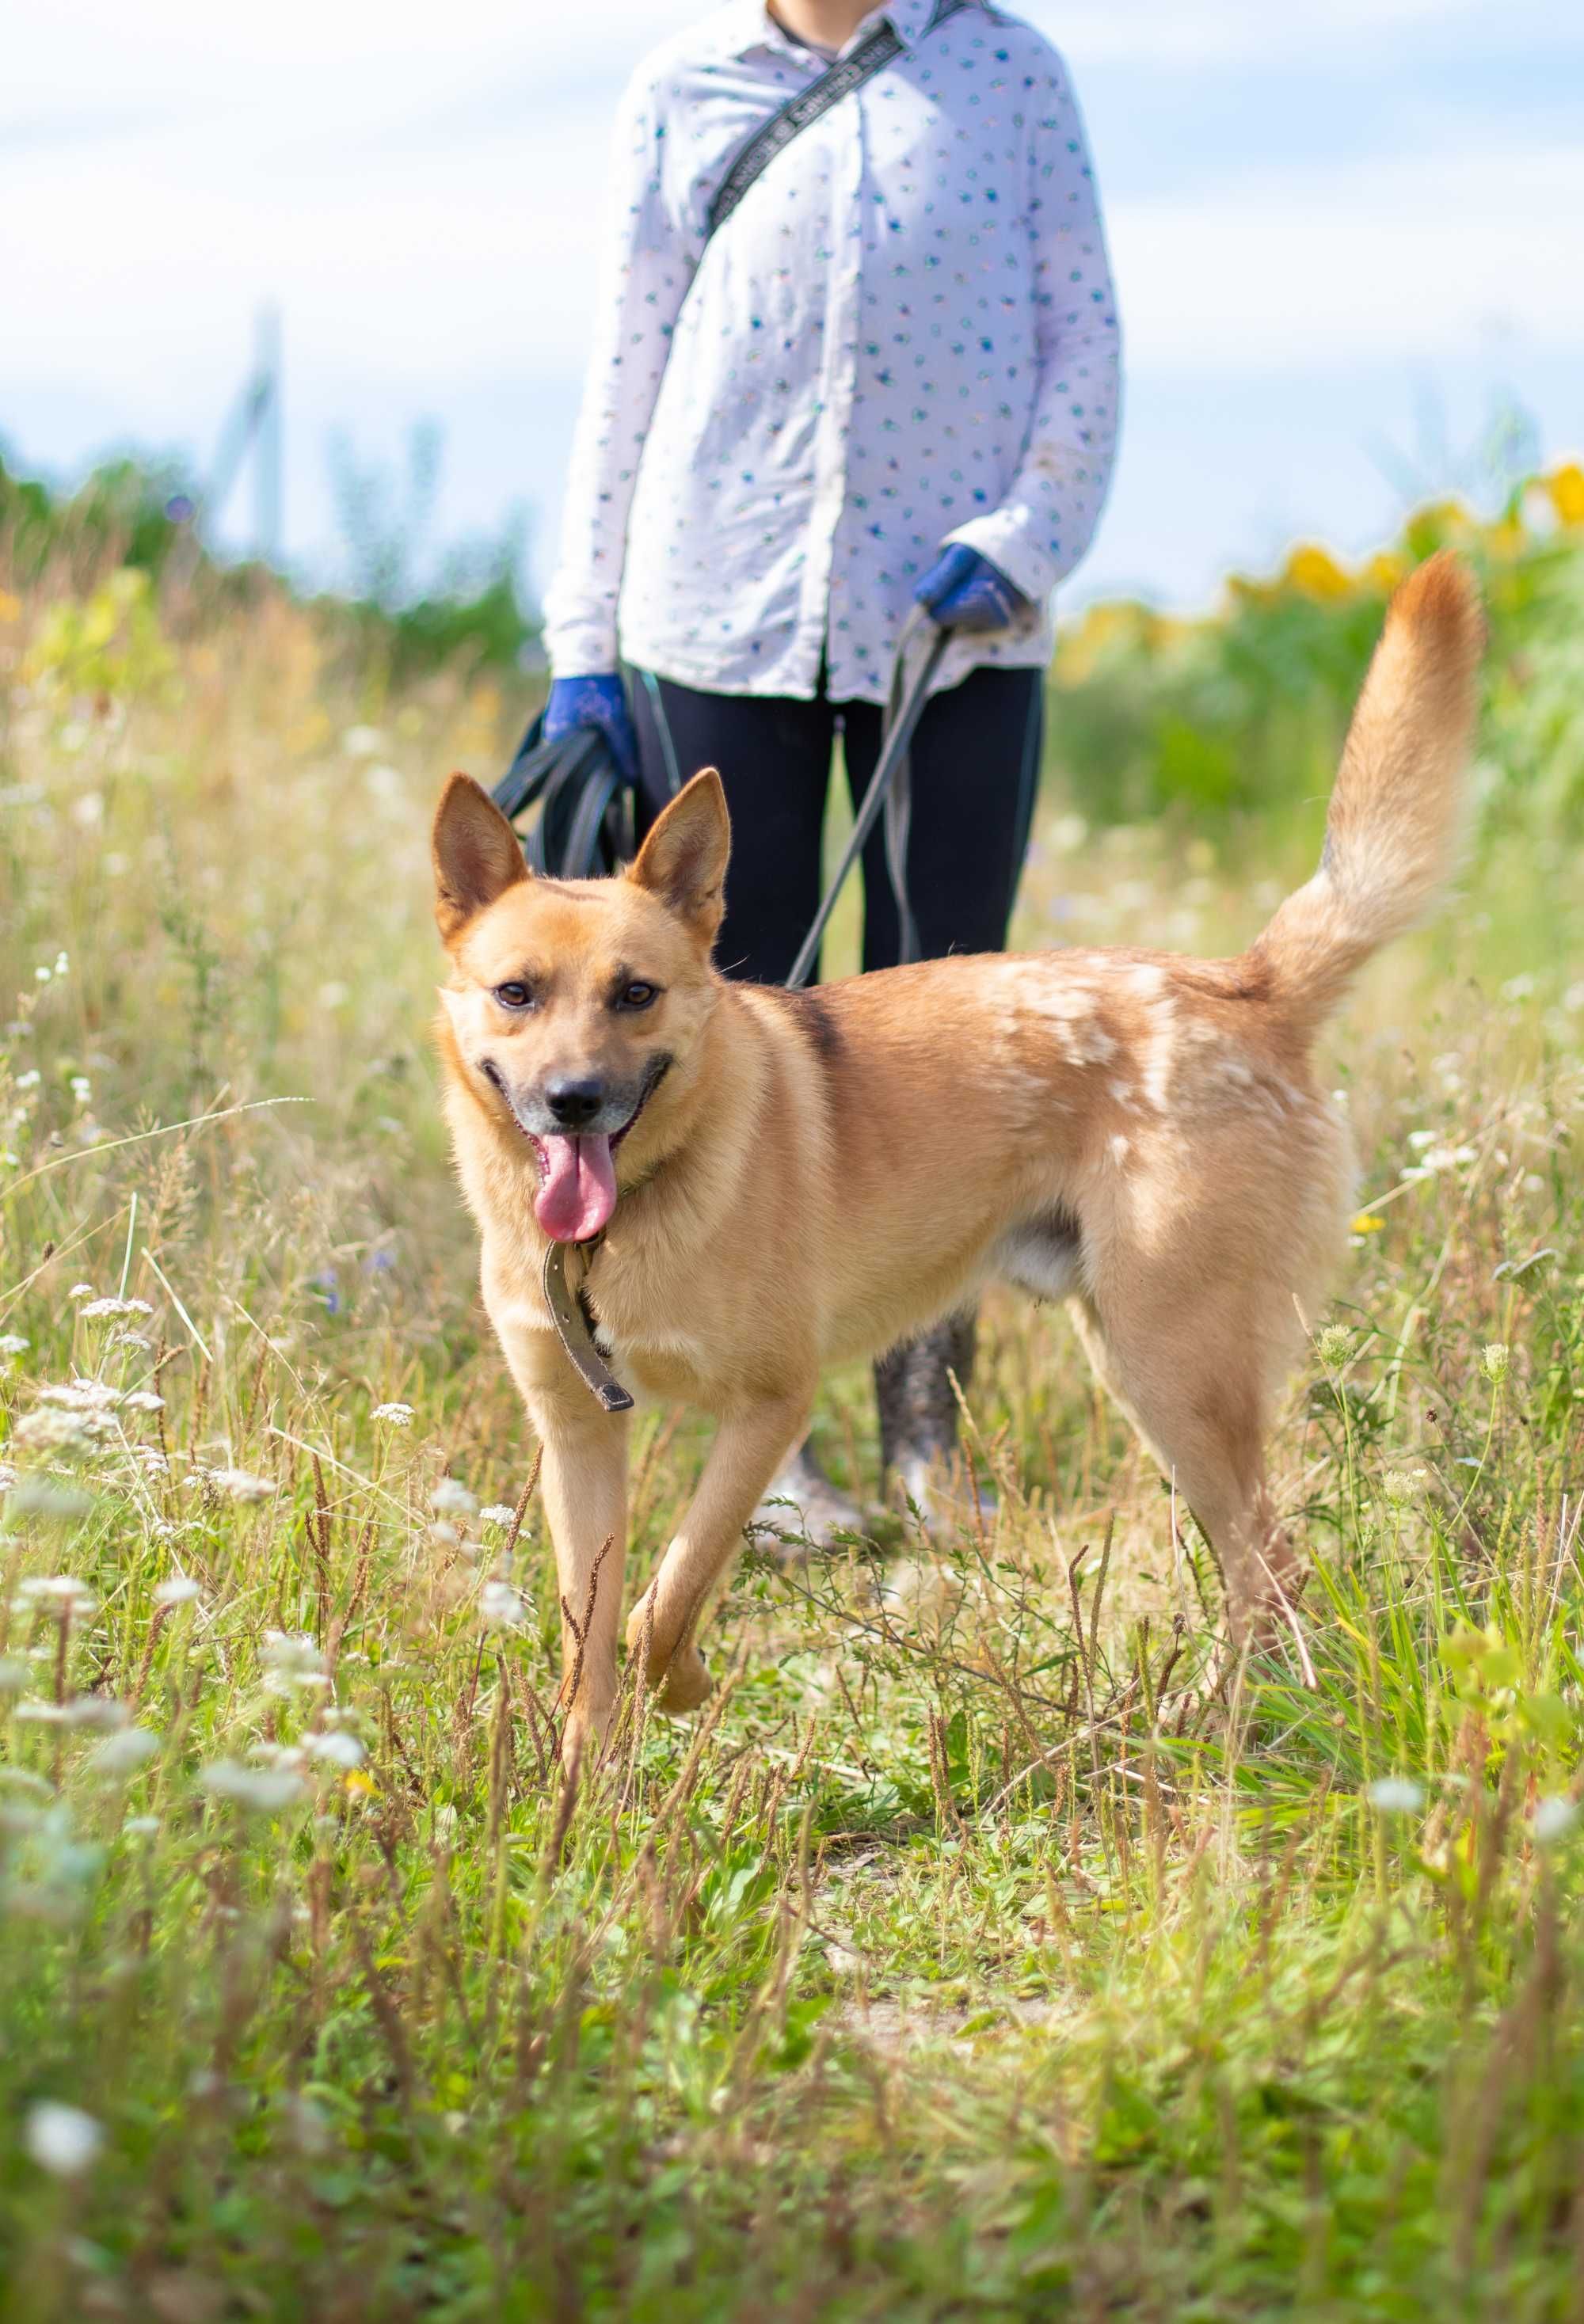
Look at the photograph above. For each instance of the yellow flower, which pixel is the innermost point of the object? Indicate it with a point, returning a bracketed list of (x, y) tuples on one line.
[(1316, 572), (1566, 487), (1366, 1222), (1385, 569), (355, 1780)]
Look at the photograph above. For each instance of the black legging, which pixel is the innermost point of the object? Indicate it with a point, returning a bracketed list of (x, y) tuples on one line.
[(975, 759)]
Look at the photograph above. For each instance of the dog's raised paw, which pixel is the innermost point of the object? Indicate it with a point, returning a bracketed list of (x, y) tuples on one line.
[(687, 1682)]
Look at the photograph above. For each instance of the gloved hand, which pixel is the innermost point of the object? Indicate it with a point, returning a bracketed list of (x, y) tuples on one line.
[(599, 701), (964, 591)]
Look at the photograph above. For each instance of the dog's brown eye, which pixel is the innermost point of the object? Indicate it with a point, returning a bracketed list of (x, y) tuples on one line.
[(637, 995), (513, 996)]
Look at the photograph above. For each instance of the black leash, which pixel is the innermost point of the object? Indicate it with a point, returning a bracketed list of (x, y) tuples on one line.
[(889, 789)]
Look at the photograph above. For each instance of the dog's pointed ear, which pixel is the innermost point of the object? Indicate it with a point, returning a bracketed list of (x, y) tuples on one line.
[(477, 856), (683, 859)]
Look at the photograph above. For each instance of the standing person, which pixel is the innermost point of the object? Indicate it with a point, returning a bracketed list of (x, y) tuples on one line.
[(889, 375)]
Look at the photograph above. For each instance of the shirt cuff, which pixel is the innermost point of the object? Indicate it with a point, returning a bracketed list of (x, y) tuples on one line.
[(582, 645), (1005, 538)]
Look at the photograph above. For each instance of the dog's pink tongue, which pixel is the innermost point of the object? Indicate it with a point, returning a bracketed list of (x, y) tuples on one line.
[(579, 1190)]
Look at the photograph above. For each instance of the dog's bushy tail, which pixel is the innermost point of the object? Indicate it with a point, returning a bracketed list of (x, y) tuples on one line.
[(1395, 822)]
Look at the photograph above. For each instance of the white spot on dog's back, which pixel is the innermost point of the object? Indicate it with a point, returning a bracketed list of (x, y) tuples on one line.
[(1160, 1049), (1049, 999), (1143, 979)]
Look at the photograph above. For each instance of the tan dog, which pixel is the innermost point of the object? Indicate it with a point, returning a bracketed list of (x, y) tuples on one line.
[(771, 1182)]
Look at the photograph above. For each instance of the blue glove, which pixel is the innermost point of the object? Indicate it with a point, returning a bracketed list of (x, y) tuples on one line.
[(578, 702), (964, 591)]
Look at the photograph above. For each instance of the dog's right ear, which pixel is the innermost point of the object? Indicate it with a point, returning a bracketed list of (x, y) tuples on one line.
[(476, 852)]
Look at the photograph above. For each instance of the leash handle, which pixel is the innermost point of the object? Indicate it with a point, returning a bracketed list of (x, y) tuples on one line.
[(901, 720)]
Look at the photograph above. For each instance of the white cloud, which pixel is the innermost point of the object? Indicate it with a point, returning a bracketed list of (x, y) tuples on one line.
[(1376, 262)]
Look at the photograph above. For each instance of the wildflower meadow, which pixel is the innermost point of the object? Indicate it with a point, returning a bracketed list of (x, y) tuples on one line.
[(997, 1943)]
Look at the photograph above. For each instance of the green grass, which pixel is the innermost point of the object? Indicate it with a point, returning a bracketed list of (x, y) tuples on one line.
[(996, 1945)]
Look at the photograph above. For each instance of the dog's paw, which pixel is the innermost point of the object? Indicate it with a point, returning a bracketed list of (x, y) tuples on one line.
[(686, 1683), (583, 1736)]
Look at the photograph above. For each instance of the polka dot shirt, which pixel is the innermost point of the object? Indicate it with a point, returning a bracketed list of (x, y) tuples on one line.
[(905, 336)]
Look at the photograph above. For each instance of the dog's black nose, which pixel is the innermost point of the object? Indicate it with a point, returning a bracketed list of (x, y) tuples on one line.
[(574, 1103)]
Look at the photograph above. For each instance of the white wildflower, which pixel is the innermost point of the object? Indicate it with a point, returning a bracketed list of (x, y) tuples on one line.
[(59, 1594), (7, 1476), (265, 1789), (1518, 988), (1553, 1819), (240, 1484), (178, 1590), (1334, 1346), (1395, 1795), (339, 1749), (48, 1429), (81, 1395), (1402, 1486), (47, 1496), (395, 1416), (12, 1343), (143, 1399), (499, 1513), (62, 2138), (80, 1291), (123, 1753), (291, 1660), (451, 1497), (363, 742), (142, 1827), (31, 1080), (500, 1605), (1495, 1361), (101, 1710)]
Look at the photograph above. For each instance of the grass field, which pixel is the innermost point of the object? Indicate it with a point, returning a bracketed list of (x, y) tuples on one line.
[(996, 1946)]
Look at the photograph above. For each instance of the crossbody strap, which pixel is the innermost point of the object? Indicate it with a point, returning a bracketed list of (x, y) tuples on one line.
[(872, 55)]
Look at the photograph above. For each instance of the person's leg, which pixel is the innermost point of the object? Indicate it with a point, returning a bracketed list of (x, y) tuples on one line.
[(975, 765), (774, 755)]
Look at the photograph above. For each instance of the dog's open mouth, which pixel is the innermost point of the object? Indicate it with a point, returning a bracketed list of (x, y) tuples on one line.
[(577, 1170)]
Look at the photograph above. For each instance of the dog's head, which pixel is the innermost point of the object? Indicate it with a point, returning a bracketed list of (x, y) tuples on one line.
[(572, 1001)]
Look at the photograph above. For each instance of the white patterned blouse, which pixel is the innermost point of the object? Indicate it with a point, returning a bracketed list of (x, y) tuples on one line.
[(905, 336)]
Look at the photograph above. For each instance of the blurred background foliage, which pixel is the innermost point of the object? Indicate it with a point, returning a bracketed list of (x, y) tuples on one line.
[(404, 610), (1216, 725), (1241, 713)]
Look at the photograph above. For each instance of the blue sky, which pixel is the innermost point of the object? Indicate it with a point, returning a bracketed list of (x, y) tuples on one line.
[(1341, 230)]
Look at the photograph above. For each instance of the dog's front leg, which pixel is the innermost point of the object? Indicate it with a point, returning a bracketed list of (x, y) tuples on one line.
[(750, 1445), (585, 1487)]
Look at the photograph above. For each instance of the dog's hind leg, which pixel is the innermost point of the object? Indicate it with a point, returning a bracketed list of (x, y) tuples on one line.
[(1194, 1375), (750, 1445)]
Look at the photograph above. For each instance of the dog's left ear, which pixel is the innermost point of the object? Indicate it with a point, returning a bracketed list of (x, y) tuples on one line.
[(683, 859), (477, 855)]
